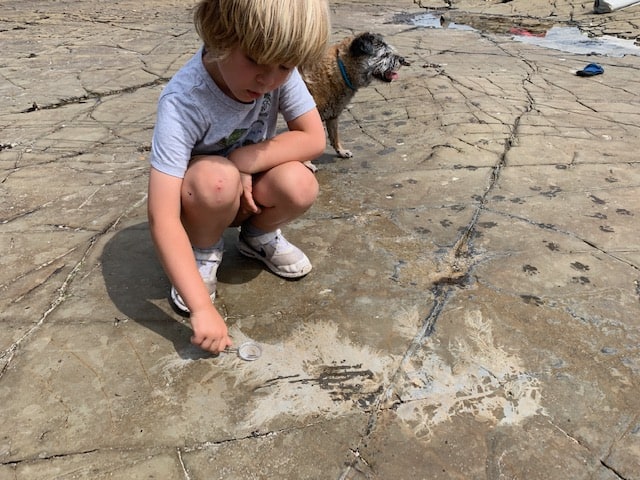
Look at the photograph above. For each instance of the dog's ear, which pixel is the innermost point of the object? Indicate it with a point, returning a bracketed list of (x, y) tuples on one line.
[(364, 44)]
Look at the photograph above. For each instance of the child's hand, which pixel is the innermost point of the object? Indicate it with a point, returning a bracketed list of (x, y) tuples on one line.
[(247, 204), (209, 330)]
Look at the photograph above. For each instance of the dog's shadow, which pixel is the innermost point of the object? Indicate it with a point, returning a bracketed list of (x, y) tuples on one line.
[(326, 158), (139, 288)]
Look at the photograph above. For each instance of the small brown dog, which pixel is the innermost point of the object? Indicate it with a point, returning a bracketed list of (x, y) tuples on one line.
[(347, 66)]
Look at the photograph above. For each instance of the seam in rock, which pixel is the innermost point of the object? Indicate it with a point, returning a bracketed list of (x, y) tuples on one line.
[(8, 355)]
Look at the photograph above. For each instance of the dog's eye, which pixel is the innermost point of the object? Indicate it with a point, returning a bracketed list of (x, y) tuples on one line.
[(286, 68)]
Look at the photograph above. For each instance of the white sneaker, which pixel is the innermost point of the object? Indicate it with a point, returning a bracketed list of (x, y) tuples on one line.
[(281, 257), (208, 261)]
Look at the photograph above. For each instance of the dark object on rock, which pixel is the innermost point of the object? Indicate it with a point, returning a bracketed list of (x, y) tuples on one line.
[(590, 70)]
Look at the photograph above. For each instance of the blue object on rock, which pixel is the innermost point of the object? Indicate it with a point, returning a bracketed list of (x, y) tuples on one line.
[(590, 70)]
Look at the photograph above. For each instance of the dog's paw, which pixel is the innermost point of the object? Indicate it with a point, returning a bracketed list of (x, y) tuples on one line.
[(344, 153), (311, 166)]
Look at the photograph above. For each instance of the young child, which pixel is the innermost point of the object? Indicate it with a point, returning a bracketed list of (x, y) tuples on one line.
[(216, 158)]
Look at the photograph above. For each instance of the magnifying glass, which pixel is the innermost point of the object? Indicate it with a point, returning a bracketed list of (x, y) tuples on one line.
[(248, 351)]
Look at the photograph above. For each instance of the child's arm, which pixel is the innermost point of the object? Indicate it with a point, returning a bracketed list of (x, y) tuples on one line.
[(305, 140), (174, 250)]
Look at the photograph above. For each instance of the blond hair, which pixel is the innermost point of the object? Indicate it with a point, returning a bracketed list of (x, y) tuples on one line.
[(291, 32)]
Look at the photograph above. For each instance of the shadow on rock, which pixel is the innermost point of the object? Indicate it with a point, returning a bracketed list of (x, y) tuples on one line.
[(137, 284), (139, 288)]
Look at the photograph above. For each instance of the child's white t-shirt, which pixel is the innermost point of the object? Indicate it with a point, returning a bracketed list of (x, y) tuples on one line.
[(195, 117)]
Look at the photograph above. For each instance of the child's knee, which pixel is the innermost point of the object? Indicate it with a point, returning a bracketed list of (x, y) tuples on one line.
[(304, 189), (212, 183)]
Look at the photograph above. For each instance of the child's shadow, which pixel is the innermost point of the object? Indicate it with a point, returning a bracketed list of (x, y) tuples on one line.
[(139, 288)]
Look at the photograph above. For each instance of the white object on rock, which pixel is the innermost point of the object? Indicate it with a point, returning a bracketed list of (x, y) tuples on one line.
[(608, 6)]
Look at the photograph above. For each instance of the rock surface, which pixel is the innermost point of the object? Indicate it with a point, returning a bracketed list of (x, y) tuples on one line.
[(474, 308)]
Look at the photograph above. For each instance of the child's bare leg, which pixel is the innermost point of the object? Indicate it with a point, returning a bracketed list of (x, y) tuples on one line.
[(210, 199), (285, 192)]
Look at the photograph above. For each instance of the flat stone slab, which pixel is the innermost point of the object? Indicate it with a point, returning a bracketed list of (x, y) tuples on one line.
[(473, 311)]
